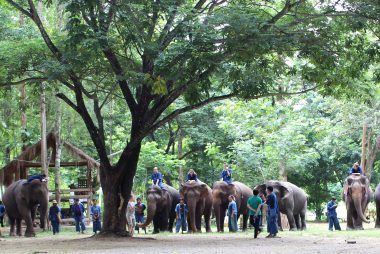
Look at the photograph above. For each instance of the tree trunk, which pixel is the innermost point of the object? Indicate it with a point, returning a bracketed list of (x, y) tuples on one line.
[(117, 187), (364, 141), (57, 171), (180, 154), (44, 168)]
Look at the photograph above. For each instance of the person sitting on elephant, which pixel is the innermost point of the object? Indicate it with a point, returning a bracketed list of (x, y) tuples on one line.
[(253, 203), (95, 216), (356, 169), (78, 214), (226, 174), (271, 202), (232, 214), (332, 215), (192, 176), (2, 213), (55, 217), (139, 213), (181, 211), (41, 177), (157, 178)]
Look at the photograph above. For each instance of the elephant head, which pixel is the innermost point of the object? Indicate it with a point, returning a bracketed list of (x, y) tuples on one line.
[(279, 188), (36, 193), (358, 194), (194, 193), (155, 198)]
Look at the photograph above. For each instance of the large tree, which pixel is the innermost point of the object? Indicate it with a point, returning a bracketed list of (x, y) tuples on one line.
[(150, 53)]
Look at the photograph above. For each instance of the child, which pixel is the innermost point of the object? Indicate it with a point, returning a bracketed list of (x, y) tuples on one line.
[(157, 178), (139, 213), (226, 174), (131, 215), (192, 176), (181, 216), (232, 214), (55, 217), (95, 215)]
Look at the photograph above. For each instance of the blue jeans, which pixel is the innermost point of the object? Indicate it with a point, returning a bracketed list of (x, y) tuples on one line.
[(333, 221), (139, 218), (96, 226), (232, 223), (79, 224), (272, 224), (55, 226), (181, 222)]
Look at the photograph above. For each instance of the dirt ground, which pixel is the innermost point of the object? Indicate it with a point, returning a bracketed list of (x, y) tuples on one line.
[(312, 241)]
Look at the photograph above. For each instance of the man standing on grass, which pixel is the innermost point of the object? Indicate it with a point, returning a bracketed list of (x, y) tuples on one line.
[(77, 211), (332, 215), (253, 204), (273, 211), (55, 217)]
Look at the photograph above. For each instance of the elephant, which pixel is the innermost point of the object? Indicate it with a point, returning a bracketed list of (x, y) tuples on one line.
[(292, 201), (220, 192), (357, 196), (377, 201), (198, 197), (21, 200), (161, 208)]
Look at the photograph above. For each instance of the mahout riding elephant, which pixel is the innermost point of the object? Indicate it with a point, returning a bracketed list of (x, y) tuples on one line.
[(220, 193), (21, 200), (377, 202), (357, 194), (198, 197), (161, 208), (292, 201)]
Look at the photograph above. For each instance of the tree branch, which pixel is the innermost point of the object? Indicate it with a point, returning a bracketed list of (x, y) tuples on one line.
[(67, 101), (19, 7), (33, 79)]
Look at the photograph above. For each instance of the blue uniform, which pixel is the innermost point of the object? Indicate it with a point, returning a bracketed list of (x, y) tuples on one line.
[(227, 175), (2, 213), (96, 220), (358, 171), (54, 212), (192, 177), (272, 213), (332, 215), (157, 179), (139, 214), (34, 177), (181, 211), (232, 216), (77, 211)]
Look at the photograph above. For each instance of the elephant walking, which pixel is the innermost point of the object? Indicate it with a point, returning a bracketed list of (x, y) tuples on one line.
[(220, 193), (357, 198), (377, 201), (292, 201), (198, 197), (21, 200), (161, 208)]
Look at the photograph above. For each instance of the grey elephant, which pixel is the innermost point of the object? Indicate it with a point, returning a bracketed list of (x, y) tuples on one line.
[(292, 201), (377, 201), (21, 200), (357, 194)]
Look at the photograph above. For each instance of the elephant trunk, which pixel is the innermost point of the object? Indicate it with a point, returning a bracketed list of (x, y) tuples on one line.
[(43, 212), (152, 207), (192, 206), (358, 207)]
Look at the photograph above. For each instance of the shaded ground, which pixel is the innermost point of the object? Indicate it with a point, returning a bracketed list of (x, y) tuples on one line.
[(315, 240)]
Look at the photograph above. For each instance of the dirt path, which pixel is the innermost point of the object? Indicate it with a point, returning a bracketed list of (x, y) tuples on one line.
[(225, 243)]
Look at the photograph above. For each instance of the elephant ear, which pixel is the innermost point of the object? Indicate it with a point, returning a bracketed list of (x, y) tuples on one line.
[(283, 190)]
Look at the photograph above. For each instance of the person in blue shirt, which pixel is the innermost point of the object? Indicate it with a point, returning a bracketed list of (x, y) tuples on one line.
[(271, 202), (181, 211), (226, 174), (2, 213), (95, 216), (332, 215), (232, 214), (139, 213), (55, 217), (192, 176), (157, 178), (356, 169), (77, 211), (41, 177)]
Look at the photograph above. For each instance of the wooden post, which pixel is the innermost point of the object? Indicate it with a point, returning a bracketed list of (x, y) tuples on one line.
[(180, 154), (57, 166), (364, 141), (43, 132)]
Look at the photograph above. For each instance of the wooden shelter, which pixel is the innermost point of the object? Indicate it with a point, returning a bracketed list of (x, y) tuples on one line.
[(18, 168)]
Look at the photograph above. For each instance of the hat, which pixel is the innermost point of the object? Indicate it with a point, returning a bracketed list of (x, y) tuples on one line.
[(55, 201)]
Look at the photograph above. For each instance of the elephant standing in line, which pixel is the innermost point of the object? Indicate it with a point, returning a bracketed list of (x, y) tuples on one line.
[(292, 201), (198, 197), (161, 208), (357, 196), (21, 200), (220, 193), (377, 201)]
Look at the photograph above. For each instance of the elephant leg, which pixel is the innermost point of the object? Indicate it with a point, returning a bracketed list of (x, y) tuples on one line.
[(350, 222), (292, 223), (218, 216), (171, 223), (279, 222), (18, 227), (29, 232), (297, 221), (165, 221), (12, 223), (377, 225), (207, 217), (358, 223), (156, 224), (198, 219), (303, 219)]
